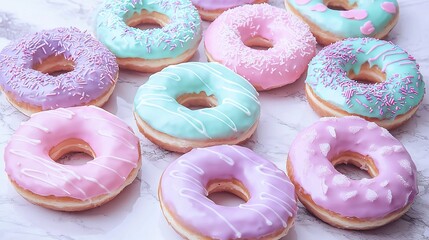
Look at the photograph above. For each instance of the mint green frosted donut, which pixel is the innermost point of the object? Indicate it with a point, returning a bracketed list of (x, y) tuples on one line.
[(367, 18), (237, 109), (400, 92), (182, 33)]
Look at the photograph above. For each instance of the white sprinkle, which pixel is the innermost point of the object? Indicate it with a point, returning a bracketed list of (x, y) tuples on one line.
[(332, 131), (386, 150), (386, 133), (384, 183), (354, 129), (389, 196), (403, 180), (371, 195), (323, 171), (324, 187), (325, 148), (372, 148), (372, 125), (311, 135), (405, 164), (341, 180), (398, 148), (365, 181), (346, 196)]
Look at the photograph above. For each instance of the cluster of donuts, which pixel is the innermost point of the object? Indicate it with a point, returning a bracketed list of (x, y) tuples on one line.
[(364, 85)]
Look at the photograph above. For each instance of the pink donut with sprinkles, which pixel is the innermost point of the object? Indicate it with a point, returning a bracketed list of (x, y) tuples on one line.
[(28, 67), (335, 198), (31, 154), (291, 46)]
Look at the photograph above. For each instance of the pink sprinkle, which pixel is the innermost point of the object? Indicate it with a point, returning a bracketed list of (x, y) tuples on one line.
[(389, 7), (357, 14), (302, 2), (367, 28), (319, 8)]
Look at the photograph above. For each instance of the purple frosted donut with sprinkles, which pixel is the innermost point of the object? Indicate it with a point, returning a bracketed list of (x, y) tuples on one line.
[(62, 67), (365, 77)]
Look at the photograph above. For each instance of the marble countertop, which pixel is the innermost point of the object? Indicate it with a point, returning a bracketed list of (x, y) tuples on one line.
[(135, 213)]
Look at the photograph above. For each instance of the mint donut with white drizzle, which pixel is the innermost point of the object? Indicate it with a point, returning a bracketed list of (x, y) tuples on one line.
[(149, 50), (162, 107), (333, 20), (393, 95)]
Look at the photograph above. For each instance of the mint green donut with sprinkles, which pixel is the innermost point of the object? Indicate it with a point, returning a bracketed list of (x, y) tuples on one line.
[(163, 107), (360, 18), (393, 90), (149, 50)]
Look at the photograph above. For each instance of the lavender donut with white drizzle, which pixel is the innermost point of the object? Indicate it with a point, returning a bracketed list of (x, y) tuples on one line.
[(268, 213), (25, 64)]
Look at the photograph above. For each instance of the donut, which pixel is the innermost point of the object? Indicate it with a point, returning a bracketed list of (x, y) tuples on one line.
[(89, 71), (333, 20), (291, 45), (31, 154), (370, 78), (268, 213), (149, 50), (210, 9), (338, 200), (163, 107)]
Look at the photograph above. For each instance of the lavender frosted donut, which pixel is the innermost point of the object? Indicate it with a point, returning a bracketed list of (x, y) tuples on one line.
[(270, 207), (341, 201), (25, 64)]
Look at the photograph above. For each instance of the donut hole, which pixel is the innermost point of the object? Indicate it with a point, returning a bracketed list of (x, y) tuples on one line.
[(355, 166), (368, 75), (227, 193), (72, 152), (196, 101), (338, 5), (147, 20), (258, 43), (54, 65)]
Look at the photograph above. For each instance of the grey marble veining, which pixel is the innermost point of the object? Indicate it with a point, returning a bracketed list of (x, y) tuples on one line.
[(135, 213)]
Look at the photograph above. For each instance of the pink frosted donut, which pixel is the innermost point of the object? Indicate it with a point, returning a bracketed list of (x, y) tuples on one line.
[(210, 9), (341, 201), (291, 43), (270, 207), (30, 158)]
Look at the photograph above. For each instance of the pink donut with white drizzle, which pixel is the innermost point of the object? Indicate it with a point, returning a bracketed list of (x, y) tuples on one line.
[(343, 202), (291, 45), (270, 207), (88, 78), (210, 9), (31, 154)]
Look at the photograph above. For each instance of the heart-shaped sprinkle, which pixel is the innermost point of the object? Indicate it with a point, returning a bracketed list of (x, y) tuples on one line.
[(302, 2), (357, 14), (319, 8), (367, 28), (389, 7)]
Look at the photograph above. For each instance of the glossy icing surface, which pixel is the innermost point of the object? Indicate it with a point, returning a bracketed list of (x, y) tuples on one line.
[(237, 110), (402, 89), (393, 188), (94, 74), (28, 163), (271, 205), (293, 44), (219, 4), (181, 33), (366, 18)]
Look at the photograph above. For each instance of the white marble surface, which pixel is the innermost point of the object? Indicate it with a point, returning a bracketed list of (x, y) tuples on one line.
[(135, 213)]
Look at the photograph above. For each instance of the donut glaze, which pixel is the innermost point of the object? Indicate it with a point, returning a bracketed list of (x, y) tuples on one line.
[(236, 112), (293, 45), (365, 18), (184, 188), (29, 164), (401, 90), (220, 4), (393, 187), (181, 33), (94, 75)]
